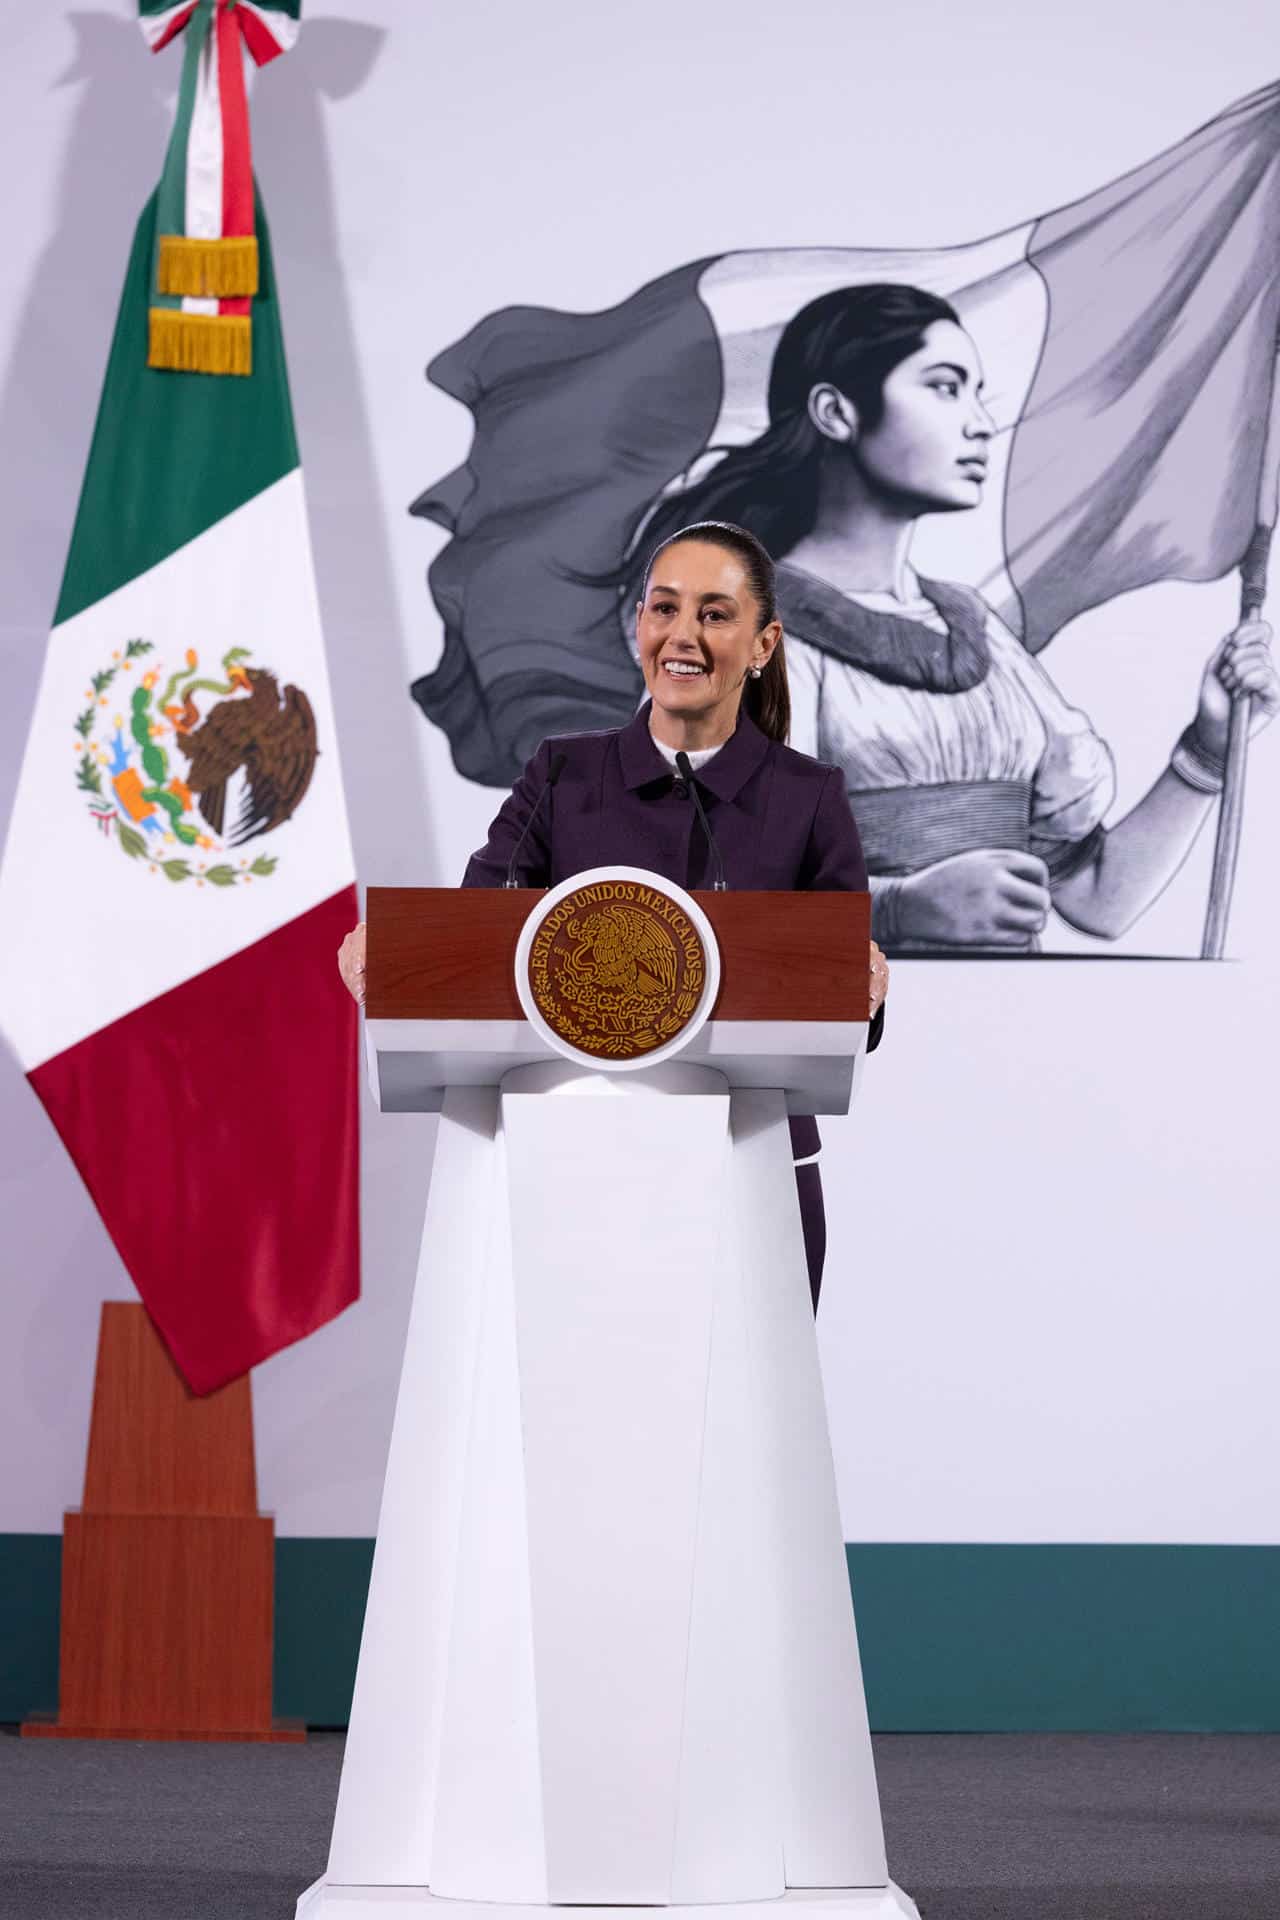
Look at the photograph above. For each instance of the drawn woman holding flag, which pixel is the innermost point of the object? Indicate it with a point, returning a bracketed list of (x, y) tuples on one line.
[(819, 398), (979, 792)]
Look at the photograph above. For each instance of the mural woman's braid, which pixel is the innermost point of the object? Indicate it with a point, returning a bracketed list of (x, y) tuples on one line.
[(768, 699)]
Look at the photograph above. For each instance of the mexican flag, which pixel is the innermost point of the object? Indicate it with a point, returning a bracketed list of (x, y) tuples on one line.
[(178, 871), (1129, 347)]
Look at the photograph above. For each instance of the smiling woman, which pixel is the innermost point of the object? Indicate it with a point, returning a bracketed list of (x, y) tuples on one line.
[(711, 649), (708, 638)]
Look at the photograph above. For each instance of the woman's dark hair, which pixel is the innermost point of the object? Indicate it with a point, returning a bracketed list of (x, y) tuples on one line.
[(768, 699), (852, 338)]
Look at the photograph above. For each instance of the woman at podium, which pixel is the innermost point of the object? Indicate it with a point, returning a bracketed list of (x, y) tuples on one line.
[(716, 720)]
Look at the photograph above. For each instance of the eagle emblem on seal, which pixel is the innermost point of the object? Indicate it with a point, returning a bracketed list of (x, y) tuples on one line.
[(623, 950), (617, 969)]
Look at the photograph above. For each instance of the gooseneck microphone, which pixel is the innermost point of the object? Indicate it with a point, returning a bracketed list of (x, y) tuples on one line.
[(685, 771), (553, 774)]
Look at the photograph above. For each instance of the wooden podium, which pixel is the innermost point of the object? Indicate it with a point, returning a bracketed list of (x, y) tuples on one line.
[(442, 1009), (609, 1656)]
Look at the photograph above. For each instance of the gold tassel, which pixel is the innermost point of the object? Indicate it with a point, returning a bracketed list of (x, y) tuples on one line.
[(200, 342), (208, 269)]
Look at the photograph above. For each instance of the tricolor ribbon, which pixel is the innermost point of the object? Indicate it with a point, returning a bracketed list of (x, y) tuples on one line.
[(206, 265)]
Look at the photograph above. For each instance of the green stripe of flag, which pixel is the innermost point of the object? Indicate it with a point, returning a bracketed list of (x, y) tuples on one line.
[(173, 453)]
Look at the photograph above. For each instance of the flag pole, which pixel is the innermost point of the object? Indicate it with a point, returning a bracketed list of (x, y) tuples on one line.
[(1253, 593)]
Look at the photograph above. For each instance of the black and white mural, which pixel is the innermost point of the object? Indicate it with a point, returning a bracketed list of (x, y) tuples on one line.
[(952, 455)]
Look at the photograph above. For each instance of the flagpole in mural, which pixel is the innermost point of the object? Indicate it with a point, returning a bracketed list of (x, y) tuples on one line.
[(1253, 594), (178, 871)]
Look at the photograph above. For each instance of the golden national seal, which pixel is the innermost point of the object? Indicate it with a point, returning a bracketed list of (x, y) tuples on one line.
[(617, 969)]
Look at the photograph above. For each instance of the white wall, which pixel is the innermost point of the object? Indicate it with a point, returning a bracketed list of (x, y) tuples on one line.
[(1050, 1310)]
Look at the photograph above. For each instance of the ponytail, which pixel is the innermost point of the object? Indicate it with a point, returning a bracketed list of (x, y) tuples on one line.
[(767, 700)]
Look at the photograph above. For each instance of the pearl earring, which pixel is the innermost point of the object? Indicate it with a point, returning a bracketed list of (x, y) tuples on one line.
[(755, 673)]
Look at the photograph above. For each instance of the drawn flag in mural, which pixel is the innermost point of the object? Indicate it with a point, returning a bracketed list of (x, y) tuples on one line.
[(1128, 343), (178, 872)]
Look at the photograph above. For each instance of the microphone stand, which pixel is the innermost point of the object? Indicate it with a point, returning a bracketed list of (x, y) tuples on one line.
[(553, 774), (685, 770)]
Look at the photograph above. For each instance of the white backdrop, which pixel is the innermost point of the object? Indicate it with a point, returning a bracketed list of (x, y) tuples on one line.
[(1050, 1309)]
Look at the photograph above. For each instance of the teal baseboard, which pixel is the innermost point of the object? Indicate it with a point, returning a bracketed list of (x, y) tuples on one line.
[(1113, 1639), (1082, 1639), (320, 1594), (30, 1610)]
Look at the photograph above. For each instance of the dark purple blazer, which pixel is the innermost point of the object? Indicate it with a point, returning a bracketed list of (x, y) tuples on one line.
[(781, 821)]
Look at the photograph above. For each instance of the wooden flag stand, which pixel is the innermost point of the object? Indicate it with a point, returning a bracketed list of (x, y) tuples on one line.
[(168, 1568)]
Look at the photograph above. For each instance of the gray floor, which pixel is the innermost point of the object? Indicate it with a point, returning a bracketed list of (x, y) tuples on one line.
[(980, 1827)]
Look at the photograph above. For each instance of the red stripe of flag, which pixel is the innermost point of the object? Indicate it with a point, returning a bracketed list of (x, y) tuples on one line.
[(217, 1130)]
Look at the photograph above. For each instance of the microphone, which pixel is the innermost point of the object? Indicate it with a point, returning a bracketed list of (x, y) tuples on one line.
[(686, 774), (553, 774)]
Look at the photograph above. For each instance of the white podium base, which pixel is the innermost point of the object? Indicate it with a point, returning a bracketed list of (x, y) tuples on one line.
[(609, 1656), (324, 1901)]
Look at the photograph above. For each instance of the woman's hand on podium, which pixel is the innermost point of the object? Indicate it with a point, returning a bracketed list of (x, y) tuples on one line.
[(351, 963), (879, 979)]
